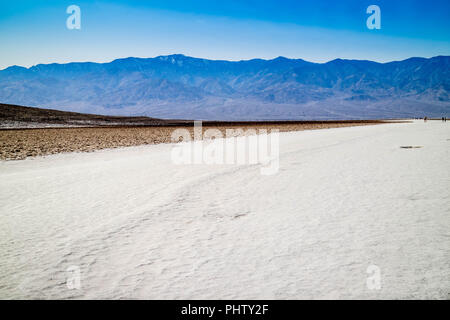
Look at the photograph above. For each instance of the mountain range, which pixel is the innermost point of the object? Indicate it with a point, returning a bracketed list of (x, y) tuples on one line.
[(177, 86)]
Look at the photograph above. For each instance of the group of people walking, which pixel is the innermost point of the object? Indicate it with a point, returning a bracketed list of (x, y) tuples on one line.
[(444, 119)]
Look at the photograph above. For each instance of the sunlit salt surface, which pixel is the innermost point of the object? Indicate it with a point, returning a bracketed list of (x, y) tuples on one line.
[(138, 226)]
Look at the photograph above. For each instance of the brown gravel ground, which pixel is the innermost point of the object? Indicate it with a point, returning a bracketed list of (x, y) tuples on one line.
[(16, 144)]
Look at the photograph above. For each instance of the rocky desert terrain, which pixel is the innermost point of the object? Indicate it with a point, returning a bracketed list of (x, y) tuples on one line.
[(39, 132)]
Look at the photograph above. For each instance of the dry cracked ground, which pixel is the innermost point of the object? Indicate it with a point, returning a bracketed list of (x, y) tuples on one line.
[(16, 144)]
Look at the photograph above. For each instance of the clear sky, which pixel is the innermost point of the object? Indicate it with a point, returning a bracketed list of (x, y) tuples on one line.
[(34, 31)]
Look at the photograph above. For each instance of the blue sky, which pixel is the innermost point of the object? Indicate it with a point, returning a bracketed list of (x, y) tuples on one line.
[(33, 32)]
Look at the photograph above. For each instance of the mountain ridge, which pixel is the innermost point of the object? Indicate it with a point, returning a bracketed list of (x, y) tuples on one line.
[(222, 60), (186, 87)]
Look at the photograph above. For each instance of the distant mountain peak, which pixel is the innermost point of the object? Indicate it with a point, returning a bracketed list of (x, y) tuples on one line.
[(281, 58)]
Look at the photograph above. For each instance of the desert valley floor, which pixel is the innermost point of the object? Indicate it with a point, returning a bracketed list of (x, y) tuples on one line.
[(138, 226)]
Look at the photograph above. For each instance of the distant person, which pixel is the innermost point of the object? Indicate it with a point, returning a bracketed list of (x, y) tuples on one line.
[(425, 119)]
